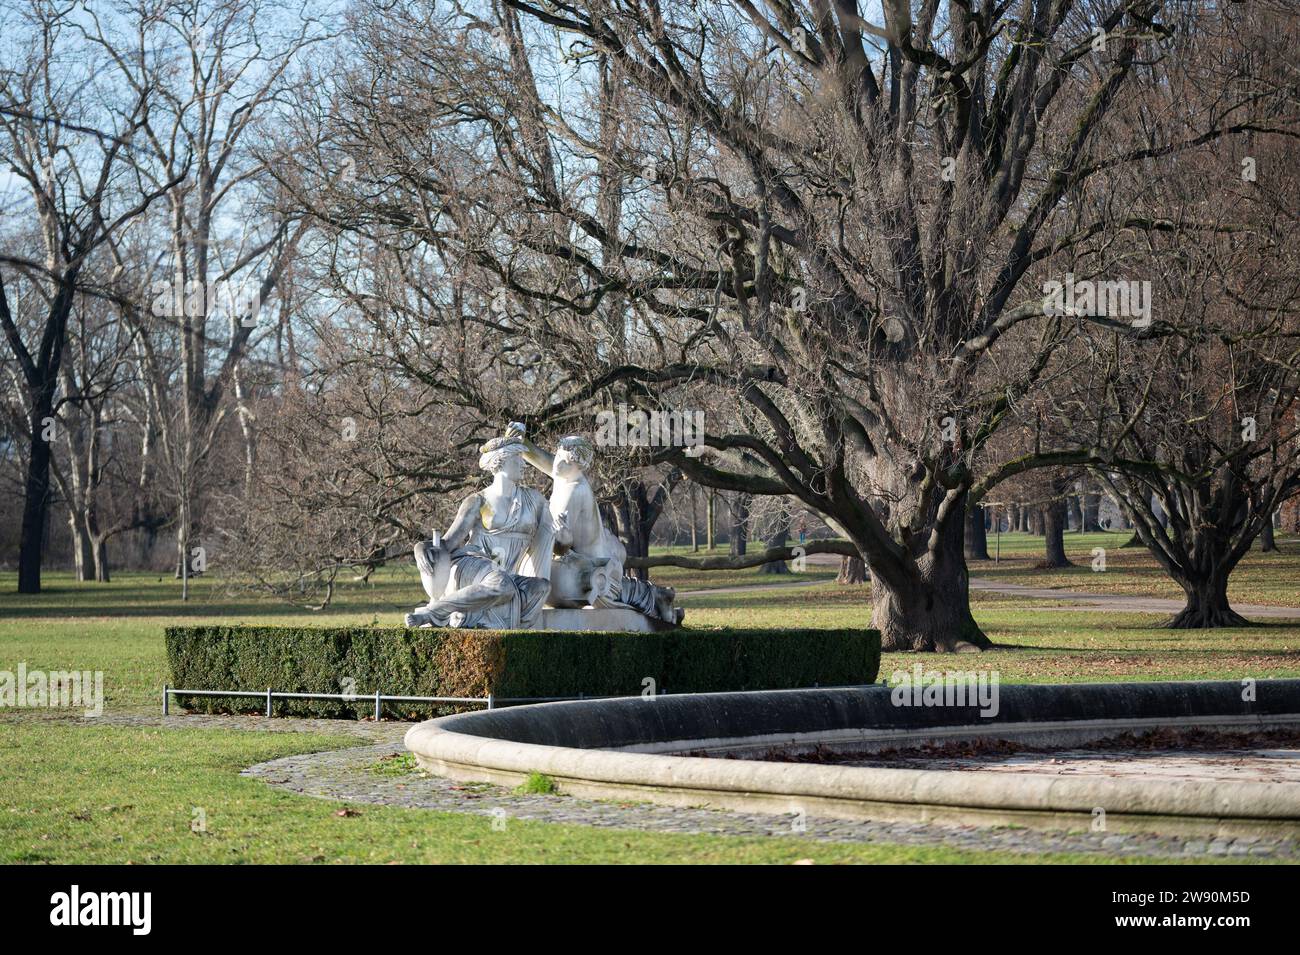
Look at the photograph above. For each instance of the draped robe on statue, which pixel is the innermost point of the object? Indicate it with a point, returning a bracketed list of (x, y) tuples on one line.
[(500, 565)]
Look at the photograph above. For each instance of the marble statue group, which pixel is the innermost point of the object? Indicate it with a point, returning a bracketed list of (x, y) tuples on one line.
[(512, 558)]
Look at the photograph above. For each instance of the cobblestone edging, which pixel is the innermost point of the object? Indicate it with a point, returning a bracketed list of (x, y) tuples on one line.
[(347, 775)]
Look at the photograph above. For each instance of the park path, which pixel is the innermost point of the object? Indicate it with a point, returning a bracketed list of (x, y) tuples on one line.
[(1078, 600), (1118, 603)]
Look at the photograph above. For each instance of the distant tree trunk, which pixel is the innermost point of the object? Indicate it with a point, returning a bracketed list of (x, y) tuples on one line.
[(777, 539), (99, 550), (36, 495), (1054, 517), (977, 541), (83, 561), (146, 541), (1266, 541), (740, 524), (711, 520), (1161, 516), (1209, 533), (695, 527), (852, 571), (1013, 517), (1091, 508), (630, 510), (636, 510), (1074, 512), (1036, 521), (1124, 522)]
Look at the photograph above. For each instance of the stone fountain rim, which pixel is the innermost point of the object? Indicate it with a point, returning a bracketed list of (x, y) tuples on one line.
[(478, 747)]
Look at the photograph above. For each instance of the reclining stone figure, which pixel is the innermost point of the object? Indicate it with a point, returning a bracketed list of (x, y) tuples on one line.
[(492, 569)]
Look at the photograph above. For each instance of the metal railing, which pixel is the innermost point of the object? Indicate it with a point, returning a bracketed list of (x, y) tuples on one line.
[(491, 701)]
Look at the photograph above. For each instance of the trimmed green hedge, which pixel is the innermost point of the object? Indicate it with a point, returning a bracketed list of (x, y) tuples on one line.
[(472, 663)]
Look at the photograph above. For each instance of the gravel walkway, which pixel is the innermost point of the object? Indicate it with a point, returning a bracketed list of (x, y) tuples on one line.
[(373, 774)]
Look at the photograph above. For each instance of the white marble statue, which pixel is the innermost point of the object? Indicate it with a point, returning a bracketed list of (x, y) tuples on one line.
[(492, 569), (588, 566)]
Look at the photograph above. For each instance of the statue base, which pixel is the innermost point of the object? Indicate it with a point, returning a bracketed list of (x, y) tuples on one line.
[(607, 619)]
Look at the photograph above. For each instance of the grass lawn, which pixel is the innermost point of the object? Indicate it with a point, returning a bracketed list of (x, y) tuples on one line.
[(74, 792)]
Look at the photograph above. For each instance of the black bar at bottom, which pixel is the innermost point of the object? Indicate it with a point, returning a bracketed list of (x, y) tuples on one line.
[(1223, 903)]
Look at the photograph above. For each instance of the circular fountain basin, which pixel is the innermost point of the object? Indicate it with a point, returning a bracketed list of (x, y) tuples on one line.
[(666, 750)]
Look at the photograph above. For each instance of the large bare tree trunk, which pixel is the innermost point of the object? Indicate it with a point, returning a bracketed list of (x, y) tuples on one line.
[(1207, 605), (930, 608)]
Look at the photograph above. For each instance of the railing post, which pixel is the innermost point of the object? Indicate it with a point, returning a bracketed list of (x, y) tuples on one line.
[(268, 701), (166, 694), (491, 700), (377, 705)]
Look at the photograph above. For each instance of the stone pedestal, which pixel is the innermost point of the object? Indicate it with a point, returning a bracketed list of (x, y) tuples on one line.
[(613, 619)]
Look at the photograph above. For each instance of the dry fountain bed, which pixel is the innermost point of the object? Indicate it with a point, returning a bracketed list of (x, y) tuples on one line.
[(1188, 754)]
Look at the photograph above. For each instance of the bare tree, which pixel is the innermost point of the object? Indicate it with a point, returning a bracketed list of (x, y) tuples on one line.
[(227, 240), (836, 230), (80, 196)]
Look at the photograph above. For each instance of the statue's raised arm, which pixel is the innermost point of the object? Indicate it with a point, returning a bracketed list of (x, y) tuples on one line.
[(539, 458)]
